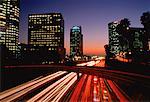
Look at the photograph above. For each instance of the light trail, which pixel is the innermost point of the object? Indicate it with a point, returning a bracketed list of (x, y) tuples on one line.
[(82, 64), (48, 97), (91, 63), (105, 95), (23, 86), (76, 93), (96, 96), (62, 92), (17, 92), (49, 91), (89, 87), (117, 91), (86, 93)]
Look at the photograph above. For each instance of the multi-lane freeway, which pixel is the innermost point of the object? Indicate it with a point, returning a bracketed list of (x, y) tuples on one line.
[(78, 86)]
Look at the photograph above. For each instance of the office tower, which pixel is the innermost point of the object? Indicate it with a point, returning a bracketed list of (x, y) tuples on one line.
[(138, 42), (9, 24), (76, 41), (46, 31), (113, 37)]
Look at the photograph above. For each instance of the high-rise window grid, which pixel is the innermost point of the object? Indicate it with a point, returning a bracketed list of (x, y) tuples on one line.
[(46, 30), (76, 41), (9, 24)]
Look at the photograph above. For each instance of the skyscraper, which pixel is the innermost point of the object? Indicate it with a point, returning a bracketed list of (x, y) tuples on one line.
[(76, 41), (46, 31), (9, 24), (113, 37), (138, 39)]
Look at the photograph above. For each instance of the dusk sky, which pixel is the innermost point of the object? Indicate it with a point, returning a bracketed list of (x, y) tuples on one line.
[(92, 15)]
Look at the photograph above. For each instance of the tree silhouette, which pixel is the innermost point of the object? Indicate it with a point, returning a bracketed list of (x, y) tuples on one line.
[(124, 34), (108, 52), (145, 20)]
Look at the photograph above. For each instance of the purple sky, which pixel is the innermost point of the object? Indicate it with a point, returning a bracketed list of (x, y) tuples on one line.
[(92, 15)]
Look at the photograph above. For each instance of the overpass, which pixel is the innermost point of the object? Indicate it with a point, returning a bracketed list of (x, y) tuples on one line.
[(92, 70)]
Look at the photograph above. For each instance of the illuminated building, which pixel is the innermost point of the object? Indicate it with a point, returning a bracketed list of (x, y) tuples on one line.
[(9, 24), (76, 41), (127, 42), (46, 31), (138, 39), (113, 37)]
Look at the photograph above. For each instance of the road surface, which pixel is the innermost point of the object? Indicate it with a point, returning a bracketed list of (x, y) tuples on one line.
[(75, 87)]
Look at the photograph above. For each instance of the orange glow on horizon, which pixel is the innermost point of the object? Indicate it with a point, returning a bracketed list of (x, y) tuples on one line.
[(94, 51), (90, 51)]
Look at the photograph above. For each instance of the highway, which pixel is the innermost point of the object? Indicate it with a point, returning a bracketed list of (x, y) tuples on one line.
[(92, 88), (17, 92), (55, 91), (81, 85)]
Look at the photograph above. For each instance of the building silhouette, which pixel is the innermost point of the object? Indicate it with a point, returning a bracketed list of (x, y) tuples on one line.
[(46, 36), (76, 41), (9, 24), (145, 21)]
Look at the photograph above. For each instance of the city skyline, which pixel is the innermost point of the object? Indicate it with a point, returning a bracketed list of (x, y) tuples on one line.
[(93, 16), (74, 51)]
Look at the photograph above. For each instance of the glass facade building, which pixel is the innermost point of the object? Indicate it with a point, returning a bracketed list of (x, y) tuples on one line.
[(76, 41), (9, 24)]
